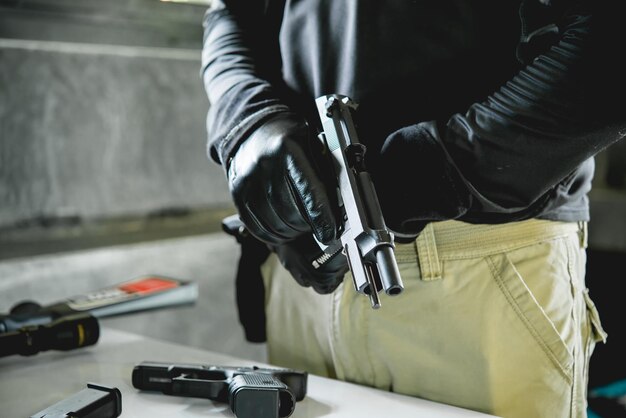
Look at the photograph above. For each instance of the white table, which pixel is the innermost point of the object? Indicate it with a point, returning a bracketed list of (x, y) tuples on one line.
[(30, 384)]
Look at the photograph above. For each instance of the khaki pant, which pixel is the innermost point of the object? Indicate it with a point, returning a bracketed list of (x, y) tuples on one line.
[(493, 318)]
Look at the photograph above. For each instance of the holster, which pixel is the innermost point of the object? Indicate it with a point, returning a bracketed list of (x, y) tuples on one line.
[(249, 287)]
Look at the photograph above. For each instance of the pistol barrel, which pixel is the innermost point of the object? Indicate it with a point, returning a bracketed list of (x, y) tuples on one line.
[(388, 270)]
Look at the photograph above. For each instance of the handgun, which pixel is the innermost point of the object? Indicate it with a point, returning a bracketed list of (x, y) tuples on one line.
[(251, 392), (364, 238), (96, 401)]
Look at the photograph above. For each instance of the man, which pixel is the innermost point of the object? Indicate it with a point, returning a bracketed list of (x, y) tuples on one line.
[(481, 120)]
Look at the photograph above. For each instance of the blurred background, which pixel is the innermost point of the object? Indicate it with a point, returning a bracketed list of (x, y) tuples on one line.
[(103, 169), (104, 175)]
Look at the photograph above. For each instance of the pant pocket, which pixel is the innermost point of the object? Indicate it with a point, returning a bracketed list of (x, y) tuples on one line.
[(595, 334), (598, 333), (516, 286)]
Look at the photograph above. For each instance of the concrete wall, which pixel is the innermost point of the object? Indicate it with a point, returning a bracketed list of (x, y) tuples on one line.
[(102, 127), (151, 23), (94, 129)]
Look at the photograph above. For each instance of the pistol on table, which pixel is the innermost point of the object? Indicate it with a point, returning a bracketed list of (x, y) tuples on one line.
[(251, 392)]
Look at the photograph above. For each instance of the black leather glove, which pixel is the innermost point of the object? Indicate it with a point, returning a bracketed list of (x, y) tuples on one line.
[(415, 183), (297, 257), (274, 185)]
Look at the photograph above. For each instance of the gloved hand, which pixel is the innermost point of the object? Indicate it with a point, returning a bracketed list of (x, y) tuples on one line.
[(414, 181), (274, 185), (297, 257)]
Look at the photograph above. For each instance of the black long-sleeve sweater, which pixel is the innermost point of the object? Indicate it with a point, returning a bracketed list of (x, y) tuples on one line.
[(493, 109)]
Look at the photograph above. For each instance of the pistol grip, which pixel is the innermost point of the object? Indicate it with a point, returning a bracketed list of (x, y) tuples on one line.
[(260, 396)]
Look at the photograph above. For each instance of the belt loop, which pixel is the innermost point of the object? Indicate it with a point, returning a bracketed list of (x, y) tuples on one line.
[(427, 254), (583, 234)]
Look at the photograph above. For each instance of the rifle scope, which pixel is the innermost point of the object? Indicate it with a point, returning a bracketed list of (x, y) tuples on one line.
[(64, 333)]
